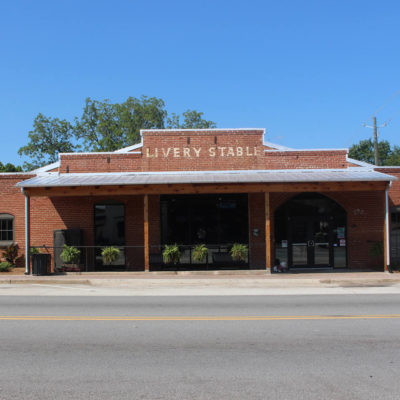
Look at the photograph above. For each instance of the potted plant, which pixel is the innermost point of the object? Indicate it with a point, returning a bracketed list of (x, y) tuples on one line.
[(239, 252), (110, 254), (33, 251), (199, 253), (171, 254), (71, 256)]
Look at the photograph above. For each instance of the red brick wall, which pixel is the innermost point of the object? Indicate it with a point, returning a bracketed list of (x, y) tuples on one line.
[(203, 151), (394, 191), (12, 201), (365, 211), (365, 223)]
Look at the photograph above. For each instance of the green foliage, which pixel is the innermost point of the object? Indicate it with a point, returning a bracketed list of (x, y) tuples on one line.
[(364, 151), (70, 254), (239, 252), (6, 266), (199, 253), (10, 253), (9, 167), (49, 137), (191, 120), (32, 251), (171, 254), (110, 254), (103, 126)]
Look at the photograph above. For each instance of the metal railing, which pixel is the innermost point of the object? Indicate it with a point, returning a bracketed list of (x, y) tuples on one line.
[(131, 258)]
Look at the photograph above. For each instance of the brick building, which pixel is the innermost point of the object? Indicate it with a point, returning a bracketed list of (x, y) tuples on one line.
[(308, 208)]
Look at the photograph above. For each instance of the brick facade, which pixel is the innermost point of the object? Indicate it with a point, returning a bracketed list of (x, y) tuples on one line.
[(189, 151)]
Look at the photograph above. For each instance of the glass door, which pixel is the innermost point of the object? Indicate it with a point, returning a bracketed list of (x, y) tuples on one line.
[(310, 242)]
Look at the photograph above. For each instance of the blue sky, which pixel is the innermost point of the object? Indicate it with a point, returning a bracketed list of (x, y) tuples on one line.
[(310, 72)]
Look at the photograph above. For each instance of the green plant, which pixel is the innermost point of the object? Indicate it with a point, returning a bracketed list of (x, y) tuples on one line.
[(5, 266), (70, 254), (32, 251), (200, 252), (110, 254), (10, 253), (171, 254), (239, 252)]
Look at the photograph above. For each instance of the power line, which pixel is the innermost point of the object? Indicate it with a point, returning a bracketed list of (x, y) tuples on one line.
[(386, 102), (373, 114)]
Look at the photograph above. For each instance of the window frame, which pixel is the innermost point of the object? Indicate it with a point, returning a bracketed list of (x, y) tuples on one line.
[(7, 216)]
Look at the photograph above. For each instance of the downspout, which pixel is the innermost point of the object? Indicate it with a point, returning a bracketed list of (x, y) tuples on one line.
[(387, 228), (27, 233)]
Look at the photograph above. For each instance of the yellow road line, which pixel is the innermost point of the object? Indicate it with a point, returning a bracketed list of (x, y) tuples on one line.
[(195, 318)]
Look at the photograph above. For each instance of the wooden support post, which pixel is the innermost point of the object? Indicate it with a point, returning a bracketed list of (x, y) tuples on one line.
[(146, 232), (268, 260)]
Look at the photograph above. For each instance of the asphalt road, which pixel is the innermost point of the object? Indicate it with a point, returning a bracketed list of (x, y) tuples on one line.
[(244, 347)]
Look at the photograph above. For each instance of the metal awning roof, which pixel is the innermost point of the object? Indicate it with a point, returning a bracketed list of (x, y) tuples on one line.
[(206, 177)]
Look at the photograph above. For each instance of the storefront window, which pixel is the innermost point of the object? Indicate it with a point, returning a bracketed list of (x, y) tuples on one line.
[(395, 236)]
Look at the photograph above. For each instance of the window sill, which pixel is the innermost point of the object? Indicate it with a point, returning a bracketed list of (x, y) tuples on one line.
[(4, 243)]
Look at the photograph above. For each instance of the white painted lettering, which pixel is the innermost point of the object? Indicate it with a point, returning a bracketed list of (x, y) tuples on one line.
[(239, 151), (211, 151), (148, 155), (186, 152), (197, 151), (166, 152), (222, 151), (177, 152), (230, 152)]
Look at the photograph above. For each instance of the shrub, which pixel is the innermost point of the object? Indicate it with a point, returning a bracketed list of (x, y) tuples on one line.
[(239, 252), (6, 266), (171, 254), (10, 253), (32, 251), (70, 254), (110, 254), (200, 252)]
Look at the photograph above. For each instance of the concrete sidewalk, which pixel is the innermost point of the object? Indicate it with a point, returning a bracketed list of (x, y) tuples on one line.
[(211, 279)]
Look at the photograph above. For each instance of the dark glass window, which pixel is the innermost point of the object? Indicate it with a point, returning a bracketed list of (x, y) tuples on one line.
[(208, 219), (109, 222), (395, 236), (6, 228)]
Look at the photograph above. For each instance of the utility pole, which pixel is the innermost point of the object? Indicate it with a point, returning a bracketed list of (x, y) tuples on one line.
[(375, 130), (375, 141)]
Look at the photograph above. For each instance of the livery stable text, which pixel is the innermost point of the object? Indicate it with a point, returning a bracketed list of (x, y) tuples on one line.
[(195, 152)]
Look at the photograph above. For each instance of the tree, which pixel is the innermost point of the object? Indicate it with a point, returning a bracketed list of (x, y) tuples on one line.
[(191, 120), (9, 167), (103, 126), (49, 137), (107, 127), (364, 151)]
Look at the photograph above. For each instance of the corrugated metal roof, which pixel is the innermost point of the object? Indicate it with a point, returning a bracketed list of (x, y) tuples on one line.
[(160, 178)]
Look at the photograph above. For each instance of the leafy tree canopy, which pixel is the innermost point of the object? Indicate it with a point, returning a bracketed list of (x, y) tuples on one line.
[(103, 126), (9, 167), (364, 151), (49, 137)]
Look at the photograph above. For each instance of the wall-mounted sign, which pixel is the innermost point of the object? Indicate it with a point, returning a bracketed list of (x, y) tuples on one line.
[(284, 243), (342, 242), (196, 152), (340, 233)]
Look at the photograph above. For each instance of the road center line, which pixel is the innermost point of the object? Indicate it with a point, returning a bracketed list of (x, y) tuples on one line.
[(196, 318)]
